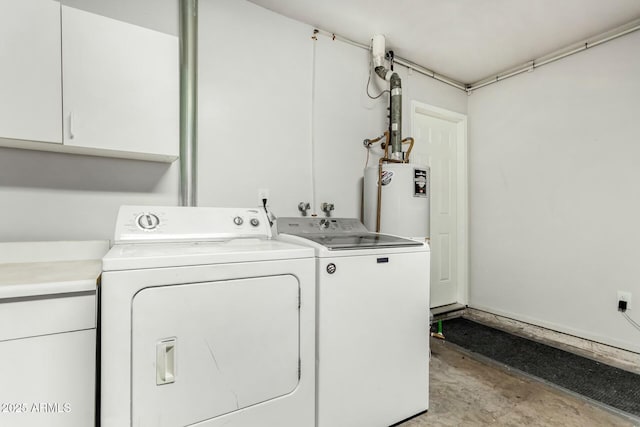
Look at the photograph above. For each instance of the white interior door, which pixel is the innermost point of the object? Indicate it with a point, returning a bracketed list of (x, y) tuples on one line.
[(437, 144)]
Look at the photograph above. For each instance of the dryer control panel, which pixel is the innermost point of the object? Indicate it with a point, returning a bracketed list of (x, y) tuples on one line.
[(137, 224)]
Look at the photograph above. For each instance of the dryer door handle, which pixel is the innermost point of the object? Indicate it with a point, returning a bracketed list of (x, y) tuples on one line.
[(166, 361)]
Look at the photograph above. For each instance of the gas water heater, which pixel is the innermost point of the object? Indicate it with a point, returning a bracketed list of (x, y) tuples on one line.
[(396, 192), (404, 207)]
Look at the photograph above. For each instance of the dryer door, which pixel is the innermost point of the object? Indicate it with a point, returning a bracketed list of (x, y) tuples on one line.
[(207, 349)]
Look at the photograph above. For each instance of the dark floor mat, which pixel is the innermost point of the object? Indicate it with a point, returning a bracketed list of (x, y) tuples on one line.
[(603, 383)]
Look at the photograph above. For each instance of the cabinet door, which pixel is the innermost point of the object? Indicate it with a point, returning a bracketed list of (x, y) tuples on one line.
[(121, 85), (30, 81), (49, 380)]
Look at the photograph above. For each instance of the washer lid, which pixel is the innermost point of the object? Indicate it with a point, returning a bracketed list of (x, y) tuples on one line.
[(341, 233), (159, 255), (361, 241)]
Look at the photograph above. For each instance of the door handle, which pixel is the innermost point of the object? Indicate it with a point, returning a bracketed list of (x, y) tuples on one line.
[(166, 361), (71, 120)]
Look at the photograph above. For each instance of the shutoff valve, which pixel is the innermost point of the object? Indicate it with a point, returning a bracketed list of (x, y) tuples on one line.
[(327, 208)]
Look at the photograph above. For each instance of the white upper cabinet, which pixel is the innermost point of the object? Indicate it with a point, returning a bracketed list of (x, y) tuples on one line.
[(30, 81), (73, 81), (121, 87)]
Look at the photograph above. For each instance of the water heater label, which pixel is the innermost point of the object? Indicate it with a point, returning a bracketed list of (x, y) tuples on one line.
[(387, 176), (420, 186)]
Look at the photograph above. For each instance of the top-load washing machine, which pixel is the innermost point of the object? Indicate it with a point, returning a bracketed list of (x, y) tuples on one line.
[(206, 321), (372, 322)]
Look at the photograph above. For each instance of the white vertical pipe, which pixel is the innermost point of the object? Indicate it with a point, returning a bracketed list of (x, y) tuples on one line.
[(378, 50), (188, 101), (314, 206)]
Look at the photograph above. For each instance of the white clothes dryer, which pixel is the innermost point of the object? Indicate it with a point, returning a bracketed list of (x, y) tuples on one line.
[(372, 322), (205, 321)]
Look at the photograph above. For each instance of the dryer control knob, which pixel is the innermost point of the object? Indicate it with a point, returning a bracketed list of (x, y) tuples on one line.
[(148, 221), (238, 220), (255, 222)]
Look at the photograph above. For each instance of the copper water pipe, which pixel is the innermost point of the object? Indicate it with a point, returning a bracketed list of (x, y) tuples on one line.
[(385, 158), (373, 141), (379, 206), (410, 141)]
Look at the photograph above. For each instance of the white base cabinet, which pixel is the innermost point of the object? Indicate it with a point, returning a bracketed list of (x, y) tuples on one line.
[(49, 380), (48, 321)]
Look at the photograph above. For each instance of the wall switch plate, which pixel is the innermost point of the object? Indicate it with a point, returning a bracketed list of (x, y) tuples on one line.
[(625, 296)]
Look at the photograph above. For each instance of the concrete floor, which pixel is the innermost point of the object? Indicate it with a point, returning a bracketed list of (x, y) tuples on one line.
[(467, 392)]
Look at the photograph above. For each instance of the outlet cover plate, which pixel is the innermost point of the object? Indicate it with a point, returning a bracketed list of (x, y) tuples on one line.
[(624, 296), (263, 193)]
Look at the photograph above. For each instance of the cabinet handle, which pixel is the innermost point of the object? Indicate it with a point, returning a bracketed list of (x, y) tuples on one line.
[(166, 361), (71, 120)]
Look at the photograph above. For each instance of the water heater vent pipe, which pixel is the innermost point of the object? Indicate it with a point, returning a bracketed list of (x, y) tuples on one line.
[(377, 50), (395, 126)]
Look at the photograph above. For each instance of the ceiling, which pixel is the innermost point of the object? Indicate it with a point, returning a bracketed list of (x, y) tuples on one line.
[(466, 40)]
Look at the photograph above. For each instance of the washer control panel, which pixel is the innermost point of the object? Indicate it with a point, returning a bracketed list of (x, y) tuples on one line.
[(170, 223), (323, 226)]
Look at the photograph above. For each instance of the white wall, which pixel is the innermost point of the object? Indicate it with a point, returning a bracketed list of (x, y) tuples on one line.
[(343, 116), (50, 196), (254, 106), (273, 110), (554, 196)]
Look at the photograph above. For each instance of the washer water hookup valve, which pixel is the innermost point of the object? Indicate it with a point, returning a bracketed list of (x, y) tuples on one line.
[(304, 207), (327, 208)]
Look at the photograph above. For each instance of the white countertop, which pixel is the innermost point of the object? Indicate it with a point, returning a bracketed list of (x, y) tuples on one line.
[(47, 278), (25, 252), (29, 269)]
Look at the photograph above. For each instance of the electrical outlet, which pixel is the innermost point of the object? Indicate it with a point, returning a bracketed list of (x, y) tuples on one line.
[(263, 193), (625, 296)]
